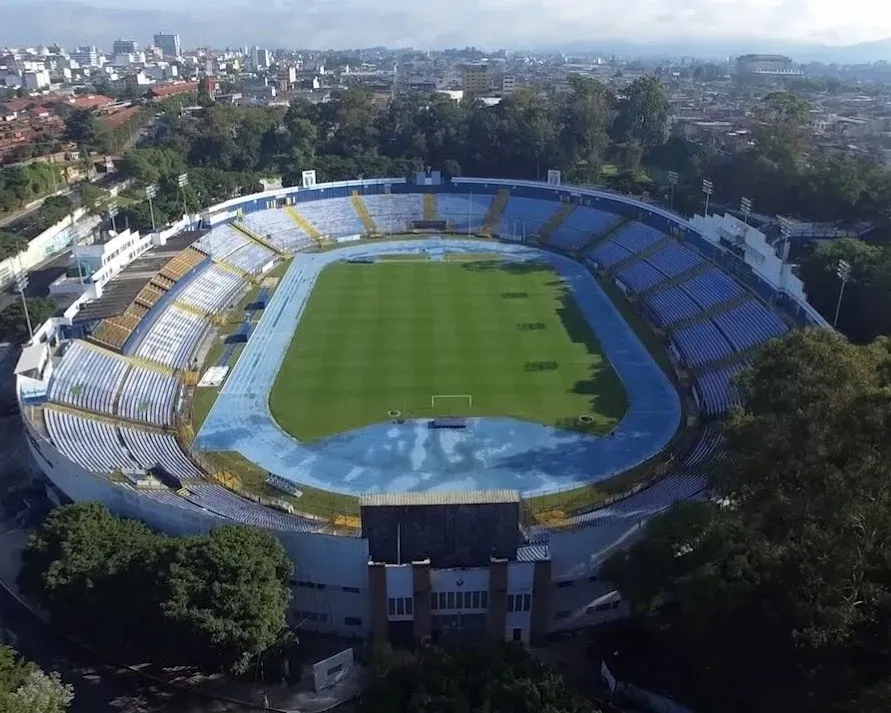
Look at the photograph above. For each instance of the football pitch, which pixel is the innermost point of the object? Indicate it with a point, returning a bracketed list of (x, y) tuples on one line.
[(443, 338)]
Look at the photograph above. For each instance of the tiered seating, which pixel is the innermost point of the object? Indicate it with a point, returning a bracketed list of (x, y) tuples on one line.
[(87, 378), (608, 254), (332, 216), (150, 295), (701, 343), (635, 237), (526, 216), (210, 291), (111, 333), (711, 288), (672, 305), (183, 264), (466, 212), (150, 449), (393, 212), (251, 258), (674, 260), (640, 276), (163, 495), (278, 228), (148, 396), (219, 500), (717, 394), (580, 225), (708, 444), (172, 338), (92, 444), (221, 241), (750, 324)]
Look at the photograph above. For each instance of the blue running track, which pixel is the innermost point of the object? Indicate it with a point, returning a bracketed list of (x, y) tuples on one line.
[(491, 453)]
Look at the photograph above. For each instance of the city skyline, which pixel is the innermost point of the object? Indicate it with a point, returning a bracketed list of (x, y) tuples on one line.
[(700, 26)]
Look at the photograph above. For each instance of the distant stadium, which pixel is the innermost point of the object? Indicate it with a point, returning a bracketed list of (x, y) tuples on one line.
[(400, 378)]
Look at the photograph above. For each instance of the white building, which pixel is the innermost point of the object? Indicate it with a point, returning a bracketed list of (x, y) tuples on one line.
[(36, 80)]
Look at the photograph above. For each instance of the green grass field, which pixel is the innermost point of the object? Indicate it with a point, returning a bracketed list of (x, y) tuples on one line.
[(391, 335)]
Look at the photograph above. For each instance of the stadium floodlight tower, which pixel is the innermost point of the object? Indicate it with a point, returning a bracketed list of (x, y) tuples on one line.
[(843, 270), (21, 282), (182, 180), (786, 233), (113, 211), (745, 205), (707, 188), (673, 182), (150, 192)]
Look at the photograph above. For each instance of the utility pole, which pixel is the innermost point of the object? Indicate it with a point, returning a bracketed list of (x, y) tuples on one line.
[(150, 192), (21, 281)]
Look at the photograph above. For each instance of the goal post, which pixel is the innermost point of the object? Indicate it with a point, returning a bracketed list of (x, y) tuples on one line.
[(460, 399)]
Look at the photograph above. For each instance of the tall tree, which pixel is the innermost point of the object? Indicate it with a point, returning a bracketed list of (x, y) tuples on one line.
[(643, 113)]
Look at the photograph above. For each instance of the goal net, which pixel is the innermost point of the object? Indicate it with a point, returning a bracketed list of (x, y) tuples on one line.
[(451, 404)]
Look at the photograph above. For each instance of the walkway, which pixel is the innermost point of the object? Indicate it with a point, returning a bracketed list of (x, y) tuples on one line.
[(491, 453)]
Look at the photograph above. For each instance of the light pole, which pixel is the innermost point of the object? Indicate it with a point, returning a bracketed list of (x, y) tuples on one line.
[(785, 232), (673, 182), (745, 205), (843, 270), (112, 213), (150, 192), (182, 181), (707, 188), (21, 281)]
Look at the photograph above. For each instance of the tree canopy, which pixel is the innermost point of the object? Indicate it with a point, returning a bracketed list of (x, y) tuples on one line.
[(13, 323), (216, 601), (497, 677), (780, 595), (24, 687)]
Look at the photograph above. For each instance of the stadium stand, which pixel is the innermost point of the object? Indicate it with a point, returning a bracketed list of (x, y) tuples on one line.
[(525, 217), (172, 338), (749, 324), (640, 276), (211, 290), (463, 211), (222, 241), (701, 343), (711, 288), (251, 258), (716, 392), (88, 378), (670, 306), (673, 260), (279, 229), (222, 502), (393, 213), (152, 449), (707, 446), (94, 445), (636, 237), (149, 396), (332, 216), (608, 254), (580, 225)]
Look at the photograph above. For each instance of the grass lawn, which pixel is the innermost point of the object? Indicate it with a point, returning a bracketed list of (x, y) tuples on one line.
[(391, 335)]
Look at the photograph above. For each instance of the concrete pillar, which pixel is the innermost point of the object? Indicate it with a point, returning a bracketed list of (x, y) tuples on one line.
[(541, 602), (497, 619), (421, 579), (377, 592)]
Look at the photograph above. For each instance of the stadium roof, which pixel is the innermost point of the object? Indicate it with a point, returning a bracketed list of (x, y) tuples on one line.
[(473, 497), (122, 289)]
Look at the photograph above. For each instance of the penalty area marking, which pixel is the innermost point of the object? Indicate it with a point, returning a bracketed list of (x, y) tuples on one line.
[(433, 398)]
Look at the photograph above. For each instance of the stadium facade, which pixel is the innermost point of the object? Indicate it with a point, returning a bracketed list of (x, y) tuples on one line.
[(103, 399)]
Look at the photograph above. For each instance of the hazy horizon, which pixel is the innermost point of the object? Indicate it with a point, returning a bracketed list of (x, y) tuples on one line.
[(710, 25)]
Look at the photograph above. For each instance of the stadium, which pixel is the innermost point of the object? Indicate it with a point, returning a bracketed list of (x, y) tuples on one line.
[(449, 399)]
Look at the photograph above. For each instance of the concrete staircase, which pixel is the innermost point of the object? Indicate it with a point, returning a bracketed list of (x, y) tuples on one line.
[(310, 229), (231, 268), (431, 207), (555, 221), (190, 309), (256, 237), (496, 210), (362, 211), (598, 238)]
